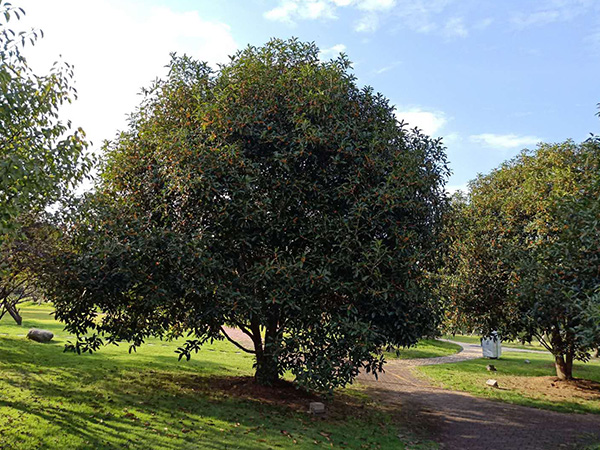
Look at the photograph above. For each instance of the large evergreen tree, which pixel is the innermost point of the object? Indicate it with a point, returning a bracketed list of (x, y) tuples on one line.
[(272, 195)]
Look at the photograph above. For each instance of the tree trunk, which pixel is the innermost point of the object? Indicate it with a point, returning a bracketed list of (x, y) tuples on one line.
[(597, 353), (564, 366), (267, 372), (267, 363), (12, 310), (563, 359)]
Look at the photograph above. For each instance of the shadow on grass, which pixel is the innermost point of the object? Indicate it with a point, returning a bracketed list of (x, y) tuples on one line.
[(103, 431), (51, 399)]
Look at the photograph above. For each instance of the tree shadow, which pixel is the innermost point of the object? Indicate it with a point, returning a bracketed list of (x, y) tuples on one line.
[(108, 402)]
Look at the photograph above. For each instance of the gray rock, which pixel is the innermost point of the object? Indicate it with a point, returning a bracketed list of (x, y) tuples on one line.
[(316, 408), (492, 383), (491, 368), (38, 335), (527, 361)]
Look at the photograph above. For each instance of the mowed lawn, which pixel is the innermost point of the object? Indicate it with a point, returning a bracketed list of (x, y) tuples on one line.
[(150, 400), (473, 339), (426, 348), (530, 384)]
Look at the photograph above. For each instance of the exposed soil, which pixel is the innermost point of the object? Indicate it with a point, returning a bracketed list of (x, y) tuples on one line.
[(554, 389), (284, 393)]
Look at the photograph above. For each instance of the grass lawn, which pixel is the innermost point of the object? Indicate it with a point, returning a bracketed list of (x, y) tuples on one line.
[(149, 400), (532, 384), (427, 348), (472, 339)]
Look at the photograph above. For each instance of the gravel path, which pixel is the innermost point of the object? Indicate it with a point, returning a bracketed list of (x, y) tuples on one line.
[(459, 421)]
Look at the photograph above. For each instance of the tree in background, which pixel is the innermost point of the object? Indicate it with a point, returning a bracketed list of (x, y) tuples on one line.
[(41, 159), (272, 195), (525, 248), (23, 255)]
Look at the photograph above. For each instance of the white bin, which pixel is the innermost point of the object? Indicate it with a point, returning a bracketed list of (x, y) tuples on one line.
[(491, 346)]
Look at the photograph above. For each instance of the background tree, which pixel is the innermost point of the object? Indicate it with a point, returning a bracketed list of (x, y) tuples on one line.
[(22, 256), (524, 252), (274, 196), (40, 157)]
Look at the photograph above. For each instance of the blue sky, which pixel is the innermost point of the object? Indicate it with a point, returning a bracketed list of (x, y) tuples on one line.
[(490, 77)]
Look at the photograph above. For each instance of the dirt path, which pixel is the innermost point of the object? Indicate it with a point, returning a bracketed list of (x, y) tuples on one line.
[(460, 421)]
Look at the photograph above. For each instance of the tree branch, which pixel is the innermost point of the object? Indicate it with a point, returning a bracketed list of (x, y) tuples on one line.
[(243, 328), (241, 347), (543, 342)]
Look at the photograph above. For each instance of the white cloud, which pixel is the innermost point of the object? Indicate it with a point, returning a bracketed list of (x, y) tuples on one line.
[(331, 52), (420, 15), (387, 68), (376, 5), (524, 20), (288, 10), (551, 11), (367, 24), (455, 28), (451, 139), (283, 12), (117, 49), (483, 23), (430, 122), (505, 141), (316, 10)]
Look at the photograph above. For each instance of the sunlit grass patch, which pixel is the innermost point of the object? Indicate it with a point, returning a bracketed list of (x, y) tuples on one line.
[(150, 400), (426, 348)]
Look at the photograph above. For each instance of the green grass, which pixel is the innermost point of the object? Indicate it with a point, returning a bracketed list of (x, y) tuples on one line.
[(473, 339), (470, 376), (149, 400), (426, 348)]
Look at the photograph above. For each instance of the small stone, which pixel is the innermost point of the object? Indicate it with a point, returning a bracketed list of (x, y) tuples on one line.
[(316, 408), (527, 361), (492, 383), (491, 368), (35, 334)]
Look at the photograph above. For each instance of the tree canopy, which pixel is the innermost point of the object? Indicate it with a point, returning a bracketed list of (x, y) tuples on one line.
[(524, 252), (272, 195), (41, 157)]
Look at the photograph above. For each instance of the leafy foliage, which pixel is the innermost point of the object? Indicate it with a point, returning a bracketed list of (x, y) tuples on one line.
[(525, 251), (40, 157), (21, 257), (272, 195)]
